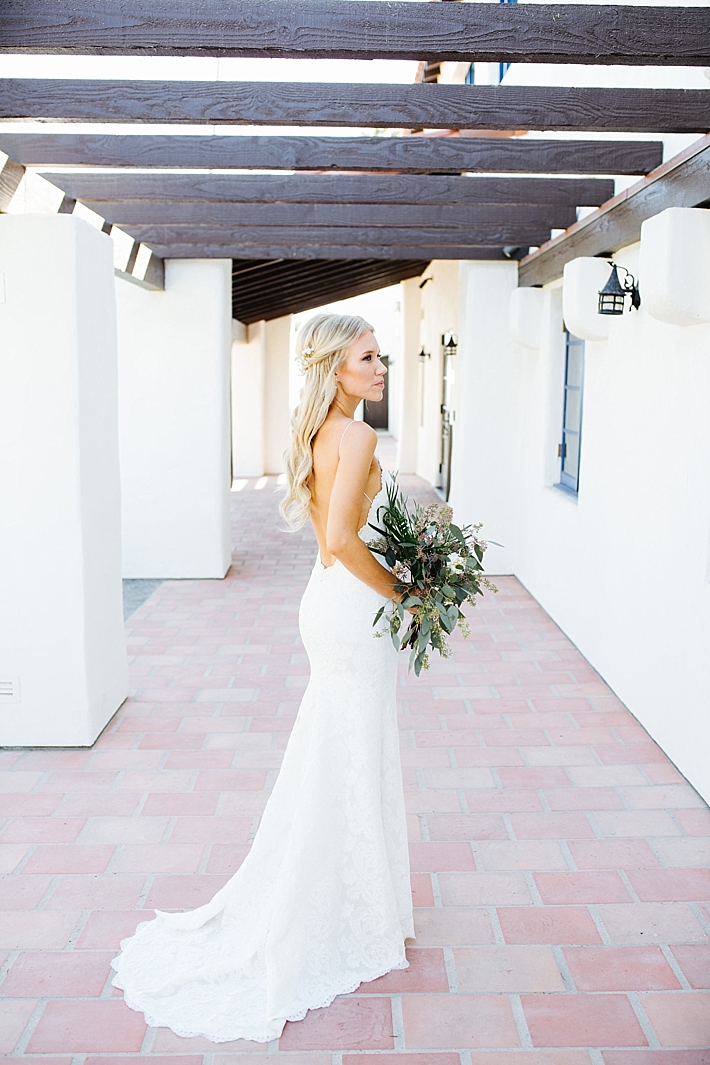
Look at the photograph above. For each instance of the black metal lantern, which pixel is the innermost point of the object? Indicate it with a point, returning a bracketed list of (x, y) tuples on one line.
[(423, 355), (449, 343), (612, 297)]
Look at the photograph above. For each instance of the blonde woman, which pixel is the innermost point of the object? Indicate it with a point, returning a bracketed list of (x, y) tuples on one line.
[(322, 902)]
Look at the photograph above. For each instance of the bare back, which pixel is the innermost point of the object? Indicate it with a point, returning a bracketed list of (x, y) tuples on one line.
[(327, 449)]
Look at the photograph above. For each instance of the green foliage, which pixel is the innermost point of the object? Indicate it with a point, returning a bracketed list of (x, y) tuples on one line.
[(439, 568)]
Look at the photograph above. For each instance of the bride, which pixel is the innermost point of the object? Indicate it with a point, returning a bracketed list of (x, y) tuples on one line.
[(322, 902)]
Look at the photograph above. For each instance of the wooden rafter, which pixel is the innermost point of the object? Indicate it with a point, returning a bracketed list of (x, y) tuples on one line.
[(494, 234), (528, 33), (421, 189), (325, 251), (405, 154), (147, 212), (683, 181), (270, 289), (142, 266), (468, 107)]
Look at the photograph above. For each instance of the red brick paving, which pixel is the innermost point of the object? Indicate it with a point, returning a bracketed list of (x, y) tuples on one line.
[(559, 860)]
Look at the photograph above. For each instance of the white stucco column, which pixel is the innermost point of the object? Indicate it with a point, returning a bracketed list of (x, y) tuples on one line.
[(62, 652), (261, 411), (409, 409), (174, 354), (277, 412), (486, 454), (248, 403)]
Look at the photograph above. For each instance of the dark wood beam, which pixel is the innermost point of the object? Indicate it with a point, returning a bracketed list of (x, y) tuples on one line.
[(419, 106), (149, 212), (289, 276), (683, 181), (497, 233), (411, 154), (331, 188), (527, 33), (273, 288), (338, 251), (11, 174), (143, 268)]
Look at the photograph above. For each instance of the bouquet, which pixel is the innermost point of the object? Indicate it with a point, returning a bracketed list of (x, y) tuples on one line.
[(438, 566)]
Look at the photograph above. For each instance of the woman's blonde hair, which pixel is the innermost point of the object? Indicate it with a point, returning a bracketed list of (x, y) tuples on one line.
[(321, 347)]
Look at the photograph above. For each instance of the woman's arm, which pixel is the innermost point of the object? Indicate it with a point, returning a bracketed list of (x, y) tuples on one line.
[(345, 510)]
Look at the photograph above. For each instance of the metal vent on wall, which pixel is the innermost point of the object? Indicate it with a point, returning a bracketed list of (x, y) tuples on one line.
[(9, 689)]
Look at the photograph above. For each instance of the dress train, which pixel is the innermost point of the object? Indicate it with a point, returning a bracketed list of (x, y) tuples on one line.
[(322, 902)]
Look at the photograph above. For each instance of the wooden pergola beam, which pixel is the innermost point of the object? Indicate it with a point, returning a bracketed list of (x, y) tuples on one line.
[(414, 155), (129, 213), (422, 189), (683, 181), (142, 267), (323, 251), (376, 29), (495, 234), (420, 106), (271, 289)]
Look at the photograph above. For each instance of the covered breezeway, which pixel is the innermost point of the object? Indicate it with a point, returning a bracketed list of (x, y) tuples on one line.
[(157, 234)]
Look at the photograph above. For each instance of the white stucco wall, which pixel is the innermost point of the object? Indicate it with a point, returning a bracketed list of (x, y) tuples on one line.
[(174, 350), (487, 441), (248, 404), (439, 314), (407, 394), (624, 568), (61, 620), (277, 408), (261, 402)]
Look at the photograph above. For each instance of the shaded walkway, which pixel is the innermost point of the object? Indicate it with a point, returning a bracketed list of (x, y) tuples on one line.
[(559, 860)]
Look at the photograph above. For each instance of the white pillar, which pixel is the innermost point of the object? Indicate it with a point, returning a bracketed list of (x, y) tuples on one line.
[(486, 453), (62, 651), (248, 403), (277, 411), (174, 421), (439, 315), (410, 370)]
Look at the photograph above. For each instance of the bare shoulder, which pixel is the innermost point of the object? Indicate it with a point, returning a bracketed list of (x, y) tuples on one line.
[(359, 438)]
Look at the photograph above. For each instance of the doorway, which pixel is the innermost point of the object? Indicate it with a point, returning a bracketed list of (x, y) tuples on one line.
[(447, 419)]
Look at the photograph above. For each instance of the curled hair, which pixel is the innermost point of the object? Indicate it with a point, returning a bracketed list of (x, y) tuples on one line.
[(321, 347)]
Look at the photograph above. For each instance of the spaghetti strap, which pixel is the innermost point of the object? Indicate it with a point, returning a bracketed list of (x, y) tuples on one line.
[(343, 436), (377, 460)]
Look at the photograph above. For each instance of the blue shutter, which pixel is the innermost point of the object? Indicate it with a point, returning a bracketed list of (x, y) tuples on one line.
[(570, 447)]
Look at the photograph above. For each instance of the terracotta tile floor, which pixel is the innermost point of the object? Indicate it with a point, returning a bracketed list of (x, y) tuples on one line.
[(559, 860)]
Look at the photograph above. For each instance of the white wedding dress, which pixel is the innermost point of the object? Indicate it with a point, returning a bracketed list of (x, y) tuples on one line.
[(323, 901)]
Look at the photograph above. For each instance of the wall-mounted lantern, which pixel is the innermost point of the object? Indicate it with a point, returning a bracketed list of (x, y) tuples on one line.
[(612, 297), (423, 356), (449, 343)]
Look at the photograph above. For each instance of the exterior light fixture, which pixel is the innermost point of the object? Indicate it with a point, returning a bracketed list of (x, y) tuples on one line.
[(423, 283), (449, 343), (511, 251), (423, 355), (612, 297)]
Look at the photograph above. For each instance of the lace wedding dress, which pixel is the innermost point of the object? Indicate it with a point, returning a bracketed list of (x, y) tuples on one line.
[(322, 902)]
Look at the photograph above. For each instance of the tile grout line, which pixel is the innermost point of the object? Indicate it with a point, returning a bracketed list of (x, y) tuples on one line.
[(646, 1027)]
